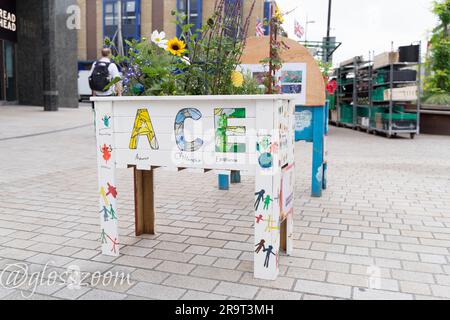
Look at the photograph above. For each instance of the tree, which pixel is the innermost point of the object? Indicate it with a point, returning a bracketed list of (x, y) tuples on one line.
[(437, 84)]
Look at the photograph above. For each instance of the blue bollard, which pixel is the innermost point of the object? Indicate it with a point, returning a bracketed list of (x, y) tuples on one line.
[(235, 177), (318, 152), (224, 182)]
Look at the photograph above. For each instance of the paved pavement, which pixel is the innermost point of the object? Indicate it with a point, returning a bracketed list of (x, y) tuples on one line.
[(381, 230)]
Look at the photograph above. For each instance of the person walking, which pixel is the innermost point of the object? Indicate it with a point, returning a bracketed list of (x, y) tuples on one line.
[(102, 73)]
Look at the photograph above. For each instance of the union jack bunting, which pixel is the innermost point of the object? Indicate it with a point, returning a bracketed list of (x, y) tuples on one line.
[(298, 29), (260, 30)]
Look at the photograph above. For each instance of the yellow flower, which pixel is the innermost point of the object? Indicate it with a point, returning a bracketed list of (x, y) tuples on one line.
[(279, 15), (237, 79), (176, 47)]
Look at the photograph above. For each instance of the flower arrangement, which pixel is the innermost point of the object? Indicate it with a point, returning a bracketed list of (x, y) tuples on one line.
[(203, 61)]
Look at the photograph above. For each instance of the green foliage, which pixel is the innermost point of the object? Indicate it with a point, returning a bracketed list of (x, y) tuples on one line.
[(438, 82), (439, 99), (213, 53), (325, 67), (274, 62)]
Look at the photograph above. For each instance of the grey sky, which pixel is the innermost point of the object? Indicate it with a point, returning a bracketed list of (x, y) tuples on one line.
[(363, 25)]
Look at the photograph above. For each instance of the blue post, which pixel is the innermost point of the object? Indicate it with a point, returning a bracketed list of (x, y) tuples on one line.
[(224, 182), (318, 152)]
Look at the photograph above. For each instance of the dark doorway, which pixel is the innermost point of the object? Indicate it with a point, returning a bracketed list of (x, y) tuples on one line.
[(7, 71)]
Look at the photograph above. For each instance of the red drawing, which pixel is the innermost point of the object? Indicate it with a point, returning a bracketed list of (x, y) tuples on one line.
[(115, 243), (106, 152), (112, 191), (274, 148), (259, 219)]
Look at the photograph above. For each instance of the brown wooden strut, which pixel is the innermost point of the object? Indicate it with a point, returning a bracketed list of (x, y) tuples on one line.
[(269, 89), (144, 202)]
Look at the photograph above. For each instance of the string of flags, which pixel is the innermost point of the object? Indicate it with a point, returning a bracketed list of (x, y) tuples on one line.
[(260, 30), (299, 31)]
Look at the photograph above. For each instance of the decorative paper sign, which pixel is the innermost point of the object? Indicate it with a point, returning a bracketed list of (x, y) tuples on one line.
[(287, 191), (291, 78), (303, 120)]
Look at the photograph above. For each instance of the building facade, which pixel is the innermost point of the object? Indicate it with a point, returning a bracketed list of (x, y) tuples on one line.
[(100, 18), (38, 54)]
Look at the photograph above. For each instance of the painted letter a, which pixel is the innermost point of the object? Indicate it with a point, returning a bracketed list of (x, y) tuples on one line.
[(143, 127)]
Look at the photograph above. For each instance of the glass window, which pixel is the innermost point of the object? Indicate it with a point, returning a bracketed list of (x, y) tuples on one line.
[(192, 9), (233, 8), (109, 8), (109, 20), (131, 6), (129, 10)]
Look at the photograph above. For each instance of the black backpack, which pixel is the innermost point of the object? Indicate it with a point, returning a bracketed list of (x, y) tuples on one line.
[(100, 76)]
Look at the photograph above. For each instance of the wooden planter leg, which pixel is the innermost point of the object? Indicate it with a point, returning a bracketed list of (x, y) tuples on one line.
[(283, 236), (144, 202)]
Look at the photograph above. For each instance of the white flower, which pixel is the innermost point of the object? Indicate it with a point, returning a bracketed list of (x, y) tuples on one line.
[(186, 60), (158, 38)]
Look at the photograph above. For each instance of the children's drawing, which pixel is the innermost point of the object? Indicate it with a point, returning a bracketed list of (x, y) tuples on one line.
[(259, 218), (103, 237), (265, 160), (112, 191), (264, 147), (260, 246), (112, 212), (287, 191), (224, 131), (292, 77), (303, 120), (115, 243), (105, 212), (183, 145), (268, 251), (106, 151), (106, 120), (270, 225), (104, 196), (143, 127), (108, 214), (267, 202), (259, 197), (291, 88)]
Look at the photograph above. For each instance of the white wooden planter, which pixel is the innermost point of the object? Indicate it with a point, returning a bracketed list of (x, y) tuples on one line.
[(252, 134)]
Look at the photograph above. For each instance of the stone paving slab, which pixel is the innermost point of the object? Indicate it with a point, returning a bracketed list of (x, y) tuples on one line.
[(380, 231)]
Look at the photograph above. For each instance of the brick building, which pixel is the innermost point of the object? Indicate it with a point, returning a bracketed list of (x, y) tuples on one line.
[(99, 18)]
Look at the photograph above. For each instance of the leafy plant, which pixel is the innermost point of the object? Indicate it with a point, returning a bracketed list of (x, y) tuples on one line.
[(200, 62), (274, 62), (437, 84)]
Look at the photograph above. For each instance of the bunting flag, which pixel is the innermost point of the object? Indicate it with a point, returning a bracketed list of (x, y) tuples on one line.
[(298, 30), (260, 30)]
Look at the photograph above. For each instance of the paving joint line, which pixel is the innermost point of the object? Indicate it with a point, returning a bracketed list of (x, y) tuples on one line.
[(45, 133)]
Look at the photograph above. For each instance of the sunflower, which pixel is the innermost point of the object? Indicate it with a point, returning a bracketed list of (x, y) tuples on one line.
[(176, 47), (237, 79)]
